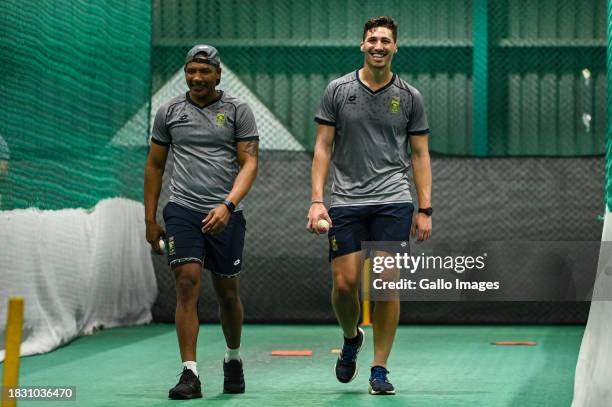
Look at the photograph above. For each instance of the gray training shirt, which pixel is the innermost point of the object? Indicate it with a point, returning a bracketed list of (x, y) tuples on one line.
[(203, 141), (370, 158)]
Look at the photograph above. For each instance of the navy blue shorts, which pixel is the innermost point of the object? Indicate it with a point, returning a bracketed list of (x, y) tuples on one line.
[(185, 242), (367, 223)]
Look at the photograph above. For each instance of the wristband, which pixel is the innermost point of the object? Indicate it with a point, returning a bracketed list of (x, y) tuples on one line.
[(230, 205), (314, 202), (426, 211)]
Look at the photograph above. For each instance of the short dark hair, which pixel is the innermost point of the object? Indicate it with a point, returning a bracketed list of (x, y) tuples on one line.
[(382, 21)]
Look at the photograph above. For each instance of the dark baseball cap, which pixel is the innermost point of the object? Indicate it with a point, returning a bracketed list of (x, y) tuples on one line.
[(204, 54)]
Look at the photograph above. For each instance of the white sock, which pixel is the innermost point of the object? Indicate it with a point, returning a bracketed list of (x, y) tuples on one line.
[(191, 366), (232, 354)]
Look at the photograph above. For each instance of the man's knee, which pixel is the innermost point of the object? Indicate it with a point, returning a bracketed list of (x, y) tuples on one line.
[(187, 282), (346, 284), (346, 274), (186, 286), (346, 288), (229, 299)]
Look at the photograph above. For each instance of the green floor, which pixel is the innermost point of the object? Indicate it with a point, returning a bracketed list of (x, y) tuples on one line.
[(430, 366)]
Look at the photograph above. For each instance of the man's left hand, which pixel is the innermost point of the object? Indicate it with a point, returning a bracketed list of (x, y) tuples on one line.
[(421, 227), (216, 220)]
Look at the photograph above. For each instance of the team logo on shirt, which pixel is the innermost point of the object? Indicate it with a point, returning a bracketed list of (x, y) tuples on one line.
[(220, 119), (395, 105)]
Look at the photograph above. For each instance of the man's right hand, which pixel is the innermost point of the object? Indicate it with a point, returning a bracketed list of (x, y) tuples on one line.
[(317, 212), (154, 233)]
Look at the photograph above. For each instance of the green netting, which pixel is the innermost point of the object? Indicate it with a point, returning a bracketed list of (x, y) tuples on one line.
[(547, 77), (76, 91), (502, 78), (287, 52)]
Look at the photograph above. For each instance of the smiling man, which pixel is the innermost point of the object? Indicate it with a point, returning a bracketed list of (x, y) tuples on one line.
[(214, 140), (366, 121)]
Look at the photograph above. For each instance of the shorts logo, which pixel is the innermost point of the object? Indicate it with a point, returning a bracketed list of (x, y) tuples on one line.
[(395, 105), (220, 119), (171, 247), (237, 262), (334, 244)]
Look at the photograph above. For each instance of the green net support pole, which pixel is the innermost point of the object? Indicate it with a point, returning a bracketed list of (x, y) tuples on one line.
[(480, 78), (608, 193)]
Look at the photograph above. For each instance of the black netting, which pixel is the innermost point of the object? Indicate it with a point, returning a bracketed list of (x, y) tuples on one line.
[(286, 273)]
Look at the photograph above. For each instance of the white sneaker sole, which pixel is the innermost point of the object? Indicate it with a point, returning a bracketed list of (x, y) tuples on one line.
[(379, 393)]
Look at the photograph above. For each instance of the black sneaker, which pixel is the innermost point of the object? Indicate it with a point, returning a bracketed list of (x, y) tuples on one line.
[(233, 377), (379, 385), (346, 365), (188, 387)]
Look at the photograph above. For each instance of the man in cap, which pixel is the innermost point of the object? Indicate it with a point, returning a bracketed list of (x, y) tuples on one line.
[(214, 141)]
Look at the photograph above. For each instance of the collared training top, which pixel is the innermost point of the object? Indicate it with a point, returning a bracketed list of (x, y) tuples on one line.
[(203, 141), (372, 128)]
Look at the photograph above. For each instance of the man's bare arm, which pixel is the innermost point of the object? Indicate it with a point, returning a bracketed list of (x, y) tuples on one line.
[(320, 169), (247, 155), (321, 160), (421, 170), (154, 171)]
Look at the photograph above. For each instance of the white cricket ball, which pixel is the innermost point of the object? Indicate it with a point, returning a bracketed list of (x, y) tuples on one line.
[(322, 226), (162, 245)]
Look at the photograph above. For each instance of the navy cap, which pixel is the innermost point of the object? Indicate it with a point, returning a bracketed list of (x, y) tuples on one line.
[(203, 54)]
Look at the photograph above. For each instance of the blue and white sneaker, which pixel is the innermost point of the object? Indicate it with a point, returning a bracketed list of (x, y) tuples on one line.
[(379, 384), (346, 365)]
